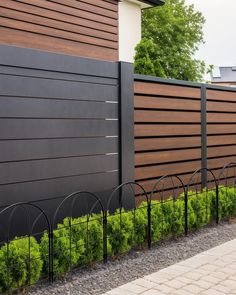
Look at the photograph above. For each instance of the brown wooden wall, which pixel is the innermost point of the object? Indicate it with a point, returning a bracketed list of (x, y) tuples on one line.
[(221, 128), (168, 129), (87, 28)]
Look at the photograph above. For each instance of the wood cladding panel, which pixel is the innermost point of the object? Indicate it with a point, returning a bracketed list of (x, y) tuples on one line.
[(220, 95), (165, 169), (165, 89), (152, 103), (167, 131), (148, 144), (143, 130), (71, 27), (154, 116)]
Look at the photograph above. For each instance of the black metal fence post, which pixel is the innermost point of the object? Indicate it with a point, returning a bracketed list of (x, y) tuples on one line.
[(186, 212), (217, 204), (105, 237), (149, 226), (203, 136)]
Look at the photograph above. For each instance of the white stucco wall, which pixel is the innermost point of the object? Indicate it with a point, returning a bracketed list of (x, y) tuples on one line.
[(129, 28)]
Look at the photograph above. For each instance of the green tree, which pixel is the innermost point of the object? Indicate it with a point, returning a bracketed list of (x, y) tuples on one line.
[(171, 35)]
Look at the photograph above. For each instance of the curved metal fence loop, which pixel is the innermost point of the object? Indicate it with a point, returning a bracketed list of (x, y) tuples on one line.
[(227, 177), (135, 191), (28, 235), (80, 226), (119, 188), (75, 196), (166, 191), (223, 175), (198, 192), (173, 187)]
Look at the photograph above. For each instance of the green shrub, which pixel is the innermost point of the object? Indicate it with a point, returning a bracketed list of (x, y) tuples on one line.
[(120, 228), (15, 266), (140, 224), (67, 248)]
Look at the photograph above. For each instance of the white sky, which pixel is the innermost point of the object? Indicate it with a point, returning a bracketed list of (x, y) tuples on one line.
[(220, 31)]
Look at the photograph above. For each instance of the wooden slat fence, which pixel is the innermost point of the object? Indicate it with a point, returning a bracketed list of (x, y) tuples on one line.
[(169, 128)]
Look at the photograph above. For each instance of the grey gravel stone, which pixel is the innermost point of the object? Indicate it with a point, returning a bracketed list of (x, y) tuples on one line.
[(100, 278)]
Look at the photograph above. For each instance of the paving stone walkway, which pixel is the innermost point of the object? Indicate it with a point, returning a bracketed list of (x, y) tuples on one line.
[(210, 273)]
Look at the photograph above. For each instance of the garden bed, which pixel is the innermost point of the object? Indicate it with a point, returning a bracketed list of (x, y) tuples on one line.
[(100, 278)]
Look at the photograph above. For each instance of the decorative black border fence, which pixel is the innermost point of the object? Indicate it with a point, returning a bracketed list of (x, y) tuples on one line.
[(102, 232)]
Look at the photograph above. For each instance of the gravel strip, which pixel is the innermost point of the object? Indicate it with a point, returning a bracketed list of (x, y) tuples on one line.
[(102, 278)]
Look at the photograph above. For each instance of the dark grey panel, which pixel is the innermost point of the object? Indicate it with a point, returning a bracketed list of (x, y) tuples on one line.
[(29, 58), (56, 188), (52, 108), (126, 122), (56, 75), (52, 168), (48, 88), (15, 150), (53, 128)]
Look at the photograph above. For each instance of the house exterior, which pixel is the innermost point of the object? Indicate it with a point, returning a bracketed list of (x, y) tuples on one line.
[(100, 29), (225, 76)]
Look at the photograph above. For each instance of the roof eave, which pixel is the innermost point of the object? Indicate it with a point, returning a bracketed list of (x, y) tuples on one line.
[(154, 2)]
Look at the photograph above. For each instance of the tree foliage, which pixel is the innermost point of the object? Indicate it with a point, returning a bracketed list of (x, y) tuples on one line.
[(171, 35)]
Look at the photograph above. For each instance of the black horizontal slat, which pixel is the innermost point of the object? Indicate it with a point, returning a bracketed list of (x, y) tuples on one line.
[(56, 188), (15, 71), (48, 88), (53, 168), (18, 150), (53, 128), (28, 58), (51, 108)]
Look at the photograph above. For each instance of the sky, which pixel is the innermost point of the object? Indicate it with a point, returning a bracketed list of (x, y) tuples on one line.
[(219, 31)]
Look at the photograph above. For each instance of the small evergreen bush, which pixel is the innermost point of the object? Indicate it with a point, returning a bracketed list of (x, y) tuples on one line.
[(15, 266)]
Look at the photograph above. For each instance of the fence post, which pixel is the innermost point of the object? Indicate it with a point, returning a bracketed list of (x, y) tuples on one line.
[(149, 229), (203, 136), (217, 204), (51, 255), (186, 212), (105, 237), (126, 122)]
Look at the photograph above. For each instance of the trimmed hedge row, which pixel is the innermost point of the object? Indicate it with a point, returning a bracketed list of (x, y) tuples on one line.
[(78, 242)]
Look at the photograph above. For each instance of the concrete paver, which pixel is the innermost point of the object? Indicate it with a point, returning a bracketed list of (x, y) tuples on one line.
[(210, 273)]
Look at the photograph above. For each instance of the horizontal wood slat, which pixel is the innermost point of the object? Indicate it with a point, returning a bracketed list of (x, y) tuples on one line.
[(220, 151), (148, 144), (153, 116), (221, 95), (32, 10), (219, 106), (221, 118), (221, 140), (52, 6), (149, 102), (72, 27), (167, 156), (31, 40), (55, 33), (56, 24), (160, 170), (168, 90), (221, 129), (166, 130)]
